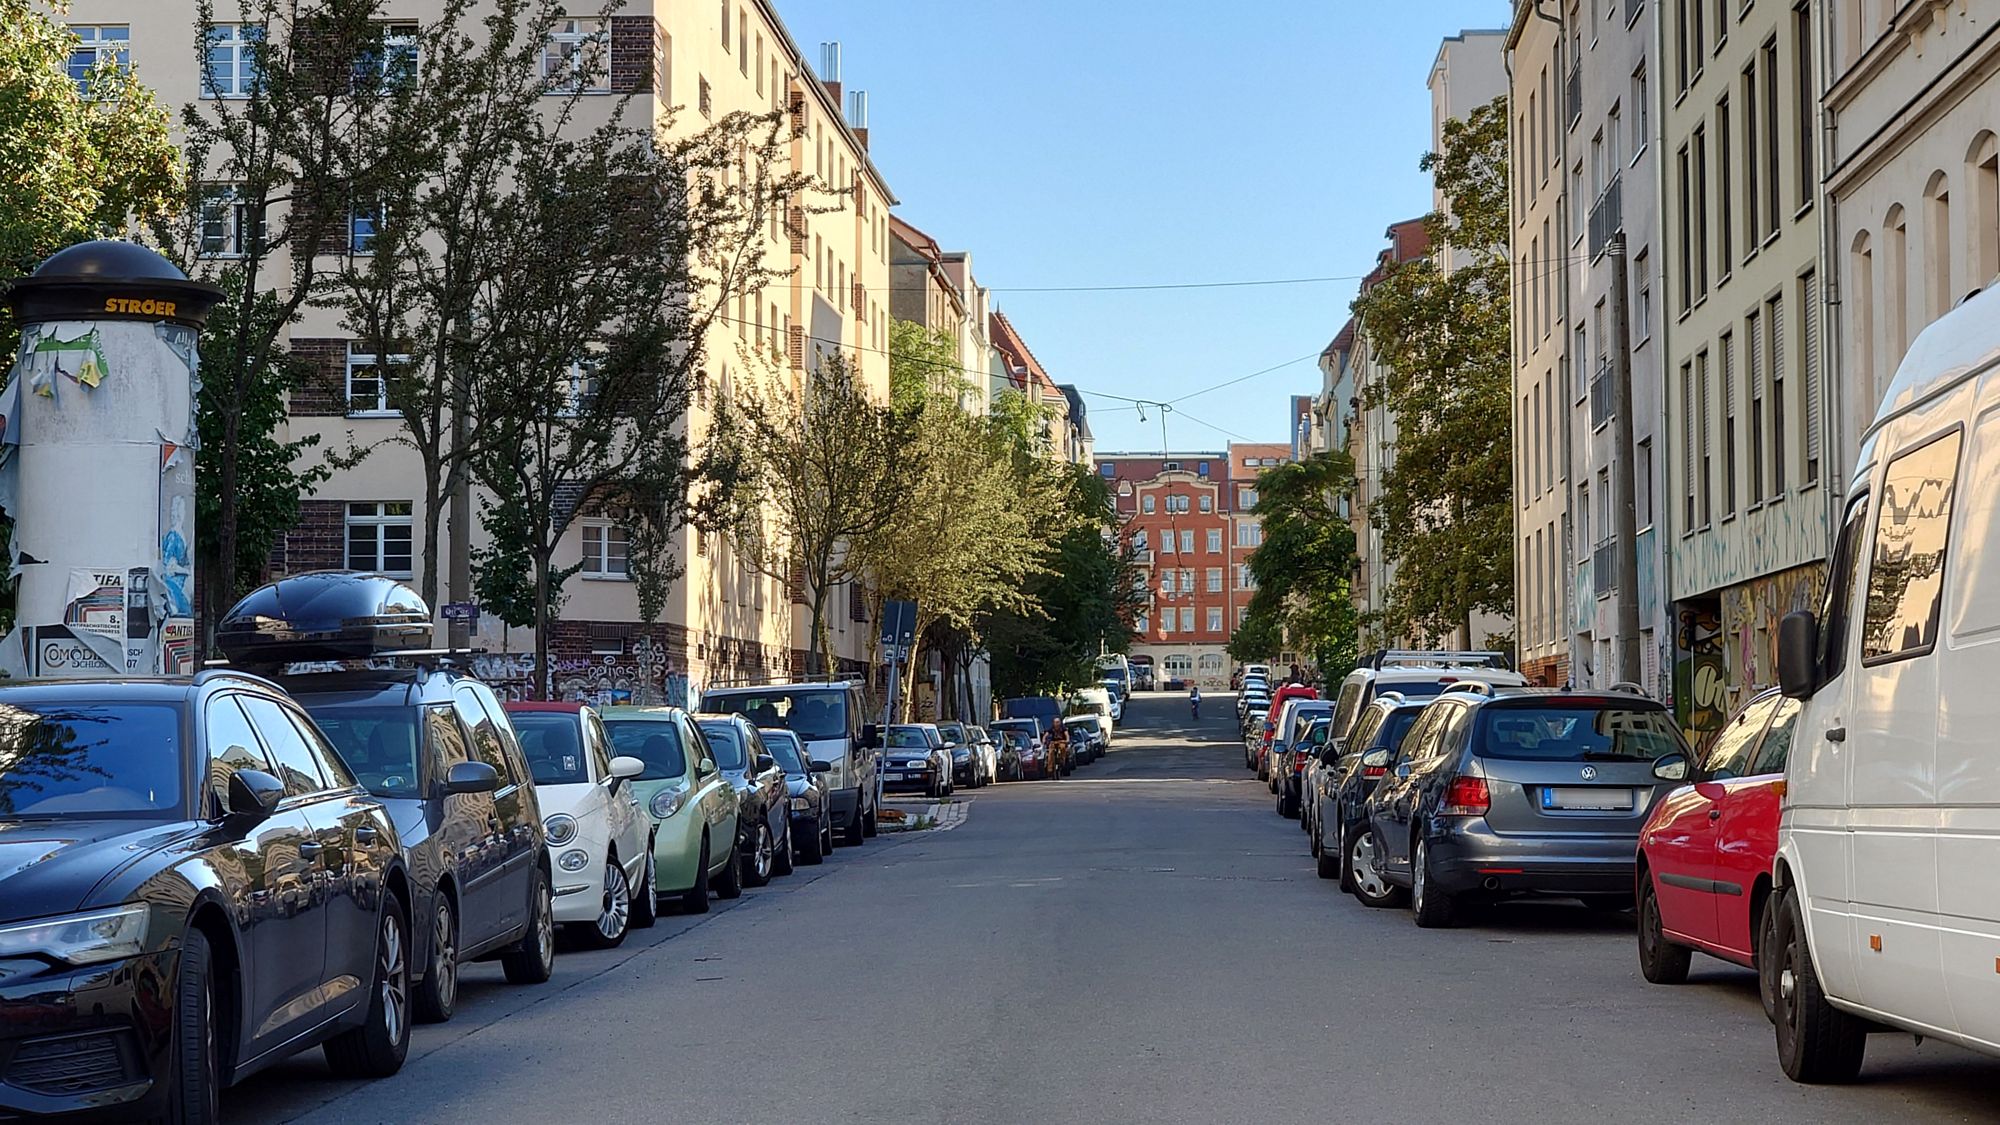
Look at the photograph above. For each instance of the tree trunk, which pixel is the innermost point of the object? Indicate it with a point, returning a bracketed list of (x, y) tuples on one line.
[(822, 642), (433, 516), (542, 623)]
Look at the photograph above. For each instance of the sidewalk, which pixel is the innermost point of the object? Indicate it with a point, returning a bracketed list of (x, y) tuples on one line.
[(926, 816)]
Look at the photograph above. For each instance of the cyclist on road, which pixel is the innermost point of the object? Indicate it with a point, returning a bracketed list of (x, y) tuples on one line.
[(1194, 699)]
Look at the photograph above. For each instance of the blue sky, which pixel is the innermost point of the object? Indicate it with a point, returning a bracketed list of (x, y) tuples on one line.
[(1121, 142)]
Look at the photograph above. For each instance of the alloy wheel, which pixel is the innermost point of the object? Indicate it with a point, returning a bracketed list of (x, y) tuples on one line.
[(395, 979), (617, 909), (545, 925), (444, 956), (762, 856)]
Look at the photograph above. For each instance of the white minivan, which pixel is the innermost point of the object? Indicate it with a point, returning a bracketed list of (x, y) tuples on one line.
[(1888, 865)]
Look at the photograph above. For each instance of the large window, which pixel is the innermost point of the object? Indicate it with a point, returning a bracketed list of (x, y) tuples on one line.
[(98, 45), (378, 537), (1214, 579), (1187, 542), (225, 223), (229, 70), (605, 546), (1906, 575), (1187, 619), (1214, 541), (573, 58), (369, 374), (1215, 619)]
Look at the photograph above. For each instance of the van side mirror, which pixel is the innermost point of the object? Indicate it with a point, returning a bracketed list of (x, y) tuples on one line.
[(765, 762), (1798, 654), (871, 737)]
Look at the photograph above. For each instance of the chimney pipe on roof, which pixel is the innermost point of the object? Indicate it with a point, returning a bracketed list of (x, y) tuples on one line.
[(829, 62), (857, 109)]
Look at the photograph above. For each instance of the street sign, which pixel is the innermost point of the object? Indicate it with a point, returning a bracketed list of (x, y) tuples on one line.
[(461, 611), (899, 627)]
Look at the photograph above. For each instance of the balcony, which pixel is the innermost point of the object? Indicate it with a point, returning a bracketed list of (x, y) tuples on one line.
[(1604, 568), (1573, 95), (1607, 217), (1600, 394)]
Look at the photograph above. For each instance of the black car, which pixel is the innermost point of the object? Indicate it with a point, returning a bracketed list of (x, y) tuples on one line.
[(968, 765), (192, 887), (1528, 793), (1340, 829), (763, 823), (434, 745), (806, 796), (915, 758)]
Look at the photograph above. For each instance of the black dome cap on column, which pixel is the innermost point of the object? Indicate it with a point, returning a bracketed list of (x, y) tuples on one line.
[(110, 280)]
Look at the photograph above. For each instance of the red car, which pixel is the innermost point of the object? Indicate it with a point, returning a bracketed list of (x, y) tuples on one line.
[(1704, 872)]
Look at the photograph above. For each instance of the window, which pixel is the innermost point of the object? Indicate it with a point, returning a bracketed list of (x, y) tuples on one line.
[(1686, 216), (1938, 249), (605, 547), (1862, 286), (1215, 619), (1983, 173), (1166, 582), (1143, 623), (1906, 574), (1774, 328), (1187, 542), (1215, 580), (289, 753), (1753, 356), (1702, 407), (1687, 448), (1837, 606), (229, 68), (1643, 264), (1167, 621), (1752, 161), (572, 59), (378, 538), (1214, 540), (1139, 540), (98, 45), (1727, 355), (364, 220), (1773, 190), (1146, 504), (369, 376), (1700, 212), (1167, 540), (393, 63), (1684, 47), (1249, 533), (1244, 579), (232, 746), (1187, 619), (1642, 475), (1725, 190), (1729, 756), (1207, 503), (1896, 290), (1803, 101), (725, 24), (225, 223), (1809, 373), (1584, 511), (1187, 582), (1642, 108)]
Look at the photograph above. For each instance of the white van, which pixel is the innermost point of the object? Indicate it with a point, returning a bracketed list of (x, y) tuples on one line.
[(1888, 864), (1418, 674)]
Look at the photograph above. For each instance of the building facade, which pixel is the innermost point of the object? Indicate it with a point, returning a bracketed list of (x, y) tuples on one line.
[(1173, 513), (1743, 358)]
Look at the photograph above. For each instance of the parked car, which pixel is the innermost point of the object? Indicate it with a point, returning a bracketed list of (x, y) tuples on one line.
[(968, 765), (1253, 695), (1417, 674), (1117, 690), (1096, 701), (988, 748), (1704, 879), (692, 806), (917, 760), (1086, 740), (197, 887), (828, 717), (1036, 760), (1887, 847), (600, 843), (1288, 766), (764, 825), (805, 795), (434, 746), (1342, 845), (1013, 747), (1536, 793), (1311, 751), (1254, 724)]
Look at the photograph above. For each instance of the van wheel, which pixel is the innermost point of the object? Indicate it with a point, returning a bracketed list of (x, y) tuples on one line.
[(196, 1095), (377, 1048), (1817, 1042), (1765, 944), (534, 960), (871, 821), (694, 900), (1660, 960)]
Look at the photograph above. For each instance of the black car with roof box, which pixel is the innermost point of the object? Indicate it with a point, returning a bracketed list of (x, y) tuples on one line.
[(434, 745)]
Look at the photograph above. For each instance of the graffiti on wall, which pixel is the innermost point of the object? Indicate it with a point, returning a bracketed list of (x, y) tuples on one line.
[(643, 676), (1750, 616), (1701, 674)]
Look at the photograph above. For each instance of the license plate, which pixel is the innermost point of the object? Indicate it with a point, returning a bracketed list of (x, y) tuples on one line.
[(905, 775), (1587, 798)]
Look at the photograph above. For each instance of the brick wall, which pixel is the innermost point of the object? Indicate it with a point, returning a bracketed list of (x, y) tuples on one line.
[(317, 542), (319, 388), (637, 53)]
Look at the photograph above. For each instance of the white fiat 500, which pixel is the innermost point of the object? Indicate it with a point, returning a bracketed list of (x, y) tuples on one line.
[(599, 839)]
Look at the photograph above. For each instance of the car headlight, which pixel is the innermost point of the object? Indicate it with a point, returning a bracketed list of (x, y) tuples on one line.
[(575, 859), (668, 801), (561, 828), (800, 804), (81, 939)]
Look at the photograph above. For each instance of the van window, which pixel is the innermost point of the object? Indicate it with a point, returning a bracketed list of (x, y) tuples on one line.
[(1975, 590), (1350, 702), (1838, 609), (1906, 574)]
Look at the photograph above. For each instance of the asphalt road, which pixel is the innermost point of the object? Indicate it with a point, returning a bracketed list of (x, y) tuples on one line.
[(1143, 942)]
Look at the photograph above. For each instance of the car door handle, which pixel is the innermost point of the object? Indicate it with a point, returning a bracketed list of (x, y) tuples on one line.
[(366, 834), (1715, 814), (1836, 734)]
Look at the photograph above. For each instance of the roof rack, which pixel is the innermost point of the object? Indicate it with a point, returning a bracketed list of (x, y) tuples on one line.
[(1436, 658), (1470, 687), (1627, 687)]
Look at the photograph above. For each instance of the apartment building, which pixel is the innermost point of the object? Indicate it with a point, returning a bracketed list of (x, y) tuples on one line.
[(1607, 196), (1247, 460), (1372, 440), (1544, 586), (1912, 102), (1746, 448), (686, 64), (1334, 406), (1063, 432), (1173, 511)]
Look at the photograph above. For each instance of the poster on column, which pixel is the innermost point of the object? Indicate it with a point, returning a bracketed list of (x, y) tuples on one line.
[(96, 603)]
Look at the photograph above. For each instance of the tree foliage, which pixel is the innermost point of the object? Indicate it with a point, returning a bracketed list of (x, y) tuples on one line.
[(1441, 326), (1081, 602), (1303, 568)]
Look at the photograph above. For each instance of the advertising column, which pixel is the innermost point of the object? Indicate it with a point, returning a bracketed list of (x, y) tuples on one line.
[(97, 446)]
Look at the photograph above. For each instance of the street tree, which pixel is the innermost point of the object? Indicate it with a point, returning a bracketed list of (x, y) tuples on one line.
[(1303, 568), (1440, 325), (816, 473)]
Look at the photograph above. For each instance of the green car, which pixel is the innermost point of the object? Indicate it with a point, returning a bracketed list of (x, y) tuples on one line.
[(692, 806)]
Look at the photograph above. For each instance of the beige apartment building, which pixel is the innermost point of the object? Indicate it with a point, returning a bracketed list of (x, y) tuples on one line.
[(1539, 142), (691, 63), (1912, 104), (1745, 360)]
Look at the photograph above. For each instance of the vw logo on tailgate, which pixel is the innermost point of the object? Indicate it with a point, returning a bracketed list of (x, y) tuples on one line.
[(1589, 772)]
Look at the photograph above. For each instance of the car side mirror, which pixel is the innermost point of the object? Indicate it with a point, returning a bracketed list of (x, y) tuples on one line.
[(1375, 760), (821, 767), (1798, 654), (765, 762), (625, 767), (871, 737), (472, 777), (706, 766), (1671, 767), (253, 797)]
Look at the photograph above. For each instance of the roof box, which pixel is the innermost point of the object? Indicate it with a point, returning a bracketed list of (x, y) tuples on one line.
[(324, 615)]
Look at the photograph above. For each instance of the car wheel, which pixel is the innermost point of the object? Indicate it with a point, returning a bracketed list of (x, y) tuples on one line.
[(1764, 944), (646, 904), (437, 994), (1346, 867), (196, 1095), (1365, 869), (1660, 960), (871, 823), (1817, 1042), (729, 884), (781, 855), (376, 1049), (694, 900), (757, 865), (534, 960), (813, 850), (1326, 860), (614, 910), (1432, 908)]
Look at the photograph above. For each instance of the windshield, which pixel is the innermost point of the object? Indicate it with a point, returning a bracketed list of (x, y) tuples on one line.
[(90, 759), (552, 741), (908, 738), (811, 713), (1578, 733), (725, 743), (785, 749), (656, 743), (1390, 734), (952, 733), (378, 742)]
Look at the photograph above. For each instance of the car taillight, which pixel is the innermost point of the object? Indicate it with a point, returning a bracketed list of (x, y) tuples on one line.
[(1466, 796), (1299, 764), (1373, 771)]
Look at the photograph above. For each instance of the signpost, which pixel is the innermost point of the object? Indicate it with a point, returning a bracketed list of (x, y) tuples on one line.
[(461, 611), (899, 635)]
